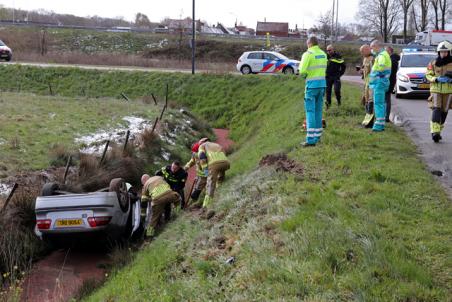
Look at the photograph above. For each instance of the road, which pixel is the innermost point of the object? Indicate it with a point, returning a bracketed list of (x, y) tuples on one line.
[(413, 115)]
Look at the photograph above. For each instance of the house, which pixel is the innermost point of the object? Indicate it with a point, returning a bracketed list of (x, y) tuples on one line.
[(277, 29), (225, 30), (182, 25), (244, 31), (212, 30)]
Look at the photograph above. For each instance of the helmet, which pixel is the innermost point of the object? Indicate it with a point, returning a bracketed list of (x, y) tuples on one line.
[(195, 147), (444, 46), (203, 140)]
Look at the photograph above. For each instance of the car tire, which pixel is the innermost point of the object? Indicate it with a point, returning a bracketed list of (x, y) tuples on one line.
[(246, 69), (118, 185), (49, 189), (288, 70)]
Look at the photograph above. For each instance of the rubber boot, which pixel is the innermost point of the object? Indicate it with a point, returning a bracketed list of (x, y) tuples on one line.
[(436, 137), (207, 201)]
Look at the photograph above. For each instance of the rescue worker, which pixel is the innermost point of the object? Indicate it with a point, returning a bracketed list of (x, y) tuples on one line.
[(214, 164), (395, 58), (176, 177), (379, 83), (201, 178), (368, 98), (313, 68), (156, 193), (334, 71), (439, 74)]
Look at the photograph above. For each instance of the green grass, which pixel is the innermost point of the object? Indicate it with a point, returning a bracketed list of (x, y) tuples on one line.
[(162, 46), (366, 222), (36, 129)]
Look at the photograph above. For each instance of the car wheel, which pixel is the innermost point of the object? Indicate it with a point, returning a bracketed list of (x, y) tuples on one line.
[(288, 70), (246, 69), (118, 185), (50, 189)]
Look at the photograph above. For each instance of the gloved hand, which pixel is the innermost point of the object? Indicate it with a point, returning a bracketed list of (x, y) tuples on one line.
[(206, 172), (442, 79)]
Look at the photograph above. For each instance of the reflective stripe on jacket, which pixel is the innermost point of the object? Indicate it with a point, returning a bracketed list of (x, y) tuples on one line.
[(195, 161), (381, 71), (434, 72), (155, 187), (313, 67), (211, 153)]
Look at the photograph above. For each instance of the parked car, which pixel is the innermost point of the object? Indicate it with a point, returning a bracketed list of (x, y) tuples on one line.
[(412, 69), (266, 62), (5, 52), (111, 213)]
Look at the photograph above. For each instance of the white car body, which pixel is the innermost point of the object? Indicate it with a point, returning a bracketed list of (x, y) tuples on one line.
[(5, 52), (98, 214), (411, 75), (266, 62)]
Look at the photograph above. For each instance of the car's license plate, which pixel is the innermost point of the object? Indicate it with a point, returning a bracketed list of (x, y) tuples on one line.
[(68, 222), (423, 86)]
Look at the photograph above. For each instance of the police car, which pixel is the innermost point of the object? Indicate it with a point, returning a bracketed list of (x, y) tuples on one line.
[(266, 62), (412, 68)]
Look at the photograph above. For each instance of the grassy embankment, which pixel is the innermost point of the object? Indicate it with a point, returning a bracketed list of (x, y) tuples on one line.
[(146, 49), (366, 222)]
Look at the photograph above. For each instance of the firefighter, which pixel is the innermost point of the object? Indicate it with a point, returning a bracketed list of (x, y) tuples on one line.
[(439, 74), (379, 83), (313, 68), (201, 178), (367, 97), (156, 193), (214, 164), (334, 71), (176, 177)]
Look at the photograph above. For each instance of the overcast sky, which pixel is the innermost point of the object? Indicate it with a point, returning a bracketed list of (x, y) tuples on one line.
[(247, 11)]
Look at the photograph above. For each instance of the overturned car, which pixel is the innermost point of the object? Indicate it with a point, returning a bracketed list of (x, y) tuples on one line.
[(112, 213)]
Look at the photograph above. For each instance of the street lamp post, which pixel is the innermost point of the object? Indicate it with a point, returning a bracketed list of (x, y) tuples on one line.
[(193, 41)]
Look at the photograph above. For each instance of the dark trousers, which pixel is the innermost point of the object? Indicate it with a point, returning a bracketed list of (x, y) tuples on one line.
[(330, 82), (388, 105), (388, 98)]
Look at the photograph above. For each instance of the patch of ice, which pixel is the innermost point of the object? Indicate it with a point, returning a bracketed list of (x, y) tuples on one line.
[(166, 155), (5, 189), (95, 142)]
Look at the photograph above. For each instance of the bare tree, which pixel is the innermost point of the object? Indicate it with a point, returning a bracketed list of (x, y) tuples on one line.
[(420, 20), (323, 26), (141, 20), (436, 15), (445, 11), (382, 15), (405, 5)]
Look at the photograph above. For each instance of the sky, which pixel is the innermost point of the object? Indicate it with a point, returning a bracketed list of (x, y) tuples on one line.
[(247, 12)]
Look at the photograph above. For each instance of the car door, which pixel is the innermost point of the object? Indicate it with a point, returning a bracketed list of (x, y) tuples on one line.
[(269, 62), (255, 60)]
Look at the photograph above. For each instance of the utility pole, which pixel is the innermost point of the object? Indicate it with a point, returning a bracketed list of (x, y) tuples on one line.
[(332, 22), (337, 18), (193, 41)]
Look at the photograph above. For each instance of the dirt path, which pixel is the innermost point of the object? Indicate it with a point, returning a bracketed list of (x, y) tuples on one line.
[(62, 274)]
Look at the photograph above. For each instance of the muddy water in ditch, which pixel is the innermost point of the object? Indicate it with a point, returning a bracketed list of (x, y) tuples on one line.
[(62, 274)]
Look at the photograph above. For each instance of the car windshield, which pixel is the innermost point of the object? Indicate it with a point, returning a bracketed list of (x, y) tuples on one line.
[(282, 57), (420, 60), (1, 43)]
